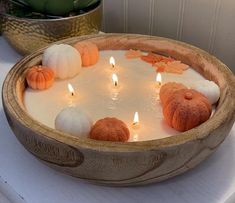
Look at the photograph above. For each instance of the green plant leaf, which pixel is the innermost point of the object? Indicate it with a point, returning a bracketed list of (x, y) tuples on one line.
[(20, 3), (81, 4), (52, 7)]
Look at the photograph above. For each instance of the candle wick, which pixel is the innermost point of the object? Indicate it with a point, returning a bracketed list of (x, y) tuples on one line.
[(113, 65), (115, 83), (158, 84), (135, 123), (72, 93)]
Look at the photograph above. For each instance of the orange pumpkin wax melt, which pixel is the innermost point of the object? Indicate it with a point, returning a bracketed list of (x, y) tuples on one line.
[(110, 129), (40, 77), (185, 109), (89, 52), (168, 89)]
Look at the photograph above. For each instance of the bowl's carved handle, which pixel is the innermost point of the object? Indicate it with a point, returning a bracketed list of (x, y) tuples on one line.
[(46, 149)]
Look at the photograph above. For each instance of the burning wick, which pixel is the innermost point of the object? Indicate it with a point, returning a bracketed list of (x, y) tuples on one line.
[(136, 123), (71, 90), (158, 80), (112, 61), (115, 79)]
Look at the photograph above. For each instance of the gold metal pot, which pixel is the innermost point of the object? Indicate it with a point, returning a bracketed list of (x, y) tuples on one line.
[(27, 35)]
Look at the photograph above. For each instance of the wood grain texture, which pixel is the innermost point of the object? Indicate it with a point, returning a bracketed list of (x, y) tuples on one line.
[(131, 163)]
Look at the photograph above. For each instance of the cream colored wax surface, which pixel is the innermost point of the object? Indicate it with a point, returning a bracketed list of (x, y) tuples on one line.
[(96, 94)]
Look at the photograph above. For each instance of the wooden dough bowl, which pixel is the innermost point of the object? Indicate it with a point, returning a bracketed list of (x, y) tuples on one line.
[(131, 163)]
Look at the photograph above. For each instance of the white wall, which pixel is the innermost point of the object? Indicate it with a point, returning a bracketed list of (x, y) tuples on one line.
[(208, 24)]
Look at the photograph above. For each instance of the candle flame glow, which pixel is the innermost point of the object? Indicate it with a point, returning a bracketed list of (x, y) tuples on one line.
[(71, 90), (115, 79), (159, 79), (136, 119), (112, 61)]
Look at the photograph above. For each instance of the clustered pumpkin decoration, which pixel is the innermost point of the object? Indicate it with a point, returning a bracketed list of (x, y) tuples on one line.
[(183, 108), (61, 61), (76, 122)]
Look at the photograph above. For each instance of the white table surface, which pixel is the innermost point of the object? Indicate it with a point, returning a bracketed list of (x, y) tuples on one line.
[(213, 181)]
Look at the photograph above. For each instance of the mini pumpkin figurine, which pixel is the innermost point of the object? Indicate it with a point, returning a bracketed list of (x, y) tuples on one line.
[(63, 59), (168, 89), (40, 77), (74, 121), (208, 88), (186, 109), (110, 129), (89, 52)]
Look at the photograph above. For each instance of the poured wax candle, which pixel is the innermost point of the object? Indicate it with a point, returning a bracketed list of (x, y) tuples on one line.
[(98, 96)]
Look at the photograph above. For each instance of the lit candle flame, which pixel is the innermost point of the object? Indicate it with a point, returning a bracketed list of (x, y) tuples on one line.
[(136, 121), (112, 61), (71, 90), (158, 80), (115, 79)]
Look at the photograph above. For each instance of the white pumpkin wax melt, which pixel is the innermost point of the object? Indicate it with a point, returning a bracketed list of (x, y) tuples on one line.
[(74, 121), (207, 88), (63, 59)]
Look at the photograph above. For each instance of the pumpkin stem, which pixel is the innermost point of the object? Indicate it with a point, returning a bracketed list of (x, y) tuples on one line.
[(39, 68), (188, 95)]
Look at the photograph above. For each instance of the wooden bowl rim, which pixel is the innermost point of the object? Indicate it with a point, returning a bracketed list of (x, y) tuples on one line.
[(197, 133)]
